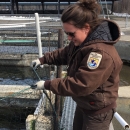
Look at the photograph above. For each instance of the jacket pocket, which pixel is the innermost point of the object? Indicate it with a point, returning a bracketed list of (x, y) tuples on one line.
[(99, 118)]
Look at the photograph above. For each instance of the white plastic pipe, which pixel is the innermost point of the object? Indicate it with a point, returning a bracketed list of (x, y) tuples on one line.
[(121, 121), (38, 35)]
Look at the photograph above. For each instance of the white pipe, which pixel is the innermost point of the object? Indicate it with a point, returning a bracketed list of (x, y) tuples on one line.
[(38, 35), (21, 23), (13, 26), (121, 121)]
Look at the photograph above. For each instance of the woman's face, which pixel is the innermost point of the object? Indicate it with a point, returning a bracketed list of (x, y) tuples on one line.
[(75, 34)]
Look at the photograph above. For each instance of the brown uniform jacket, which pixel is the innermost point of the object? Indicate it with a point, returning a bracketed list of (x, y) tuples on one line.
[(93, 89)]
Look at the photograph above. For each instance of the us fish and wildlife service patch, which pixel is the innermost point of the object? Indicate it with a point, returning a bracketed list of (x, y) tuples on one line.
[(94, 60)]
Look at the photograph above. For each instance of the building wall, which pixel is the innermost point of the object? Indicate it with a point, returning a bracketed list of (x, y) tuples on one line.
[(122, 6)]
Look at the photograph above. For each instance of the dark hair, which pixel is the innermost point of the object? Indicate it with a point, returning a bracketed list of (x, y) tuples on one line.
[(82, 12)]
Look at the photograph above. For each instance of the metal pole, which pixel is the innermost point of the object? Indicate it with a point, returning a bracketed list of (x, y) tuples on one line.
[(126, 20), (102, 9), (58, 7), (112, 6), (107, 10), (12, 6), (43, 10), (17, 7), (59, 71)]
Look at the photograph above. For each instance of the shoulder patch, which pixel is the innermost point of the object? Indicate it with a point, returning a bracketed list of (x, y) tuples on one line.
[(94, 60)]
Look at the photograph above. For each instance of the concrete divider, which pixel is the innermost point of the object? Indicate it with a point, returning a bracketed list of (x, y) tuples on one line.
[(18, 95), (42, 119), (39, 122), (123, 47)]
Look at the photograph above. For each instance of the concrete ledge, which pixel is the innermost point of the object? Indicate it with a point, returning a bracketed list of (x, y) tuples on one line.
[(39, 123), (125, 38), (123, 48), (17, 59), (124, 91), (19, 95), (19, 91), (11, 56)]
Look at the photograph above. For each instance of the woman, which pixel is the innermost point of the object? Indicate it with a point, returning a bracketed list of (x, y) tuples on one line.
[(93, 65)]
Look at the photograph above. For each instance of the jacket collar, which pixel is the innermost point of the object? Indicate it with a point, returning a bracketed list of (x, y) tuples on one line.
[(107, 32)]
